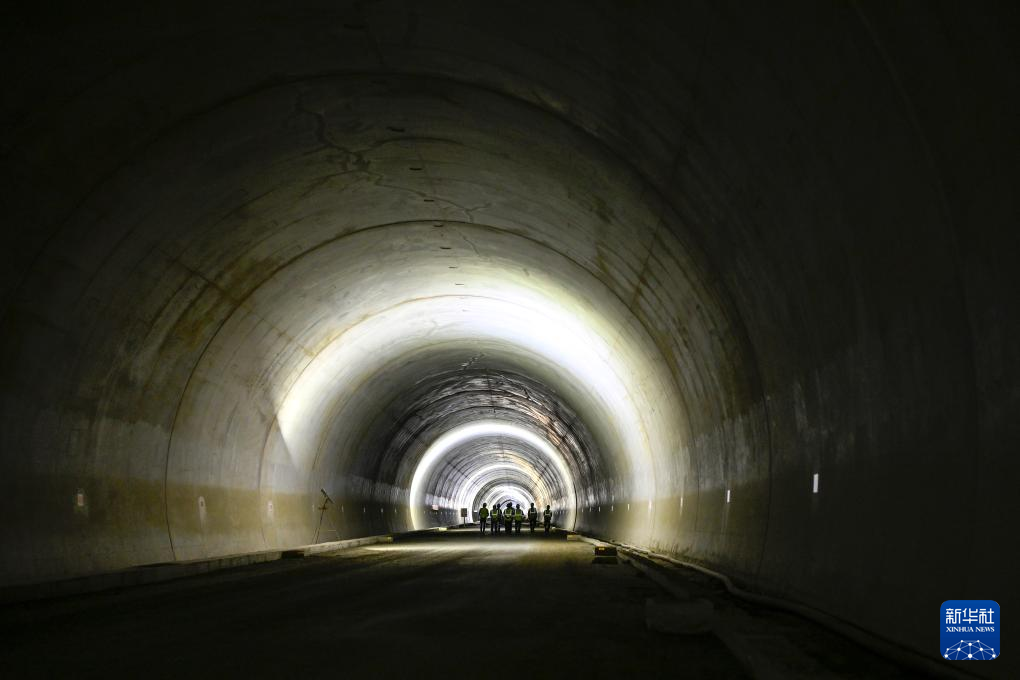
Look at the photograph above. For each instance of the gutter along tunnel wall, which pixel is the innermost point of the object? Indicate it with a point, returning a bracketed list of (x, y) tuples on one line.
[(656, 266)]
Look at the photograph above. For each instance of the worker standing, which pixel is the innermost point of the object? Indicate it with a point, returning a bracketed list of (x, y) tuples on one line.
[(532, 517), (483, 515), (497, 517), (547, 515), (518, 519), (508, 519)]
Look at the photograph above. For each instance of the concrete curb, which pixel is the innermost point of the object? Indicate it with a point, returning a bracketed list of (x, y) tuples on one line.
[(146, 574), (333, 546), (907, 657), (132, 576)]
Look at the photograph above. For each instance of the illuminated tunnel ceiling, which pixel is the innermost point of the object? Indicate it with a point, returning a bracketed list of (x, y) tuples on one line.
[(656, 266)]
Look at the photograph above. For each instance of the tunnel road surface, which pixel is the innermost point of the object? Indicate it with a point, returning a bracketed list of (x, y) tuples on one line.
[(432, 605)]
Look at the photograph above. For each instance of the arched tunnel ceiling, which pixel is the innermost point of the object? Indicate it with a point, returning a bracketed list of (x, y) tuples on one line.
[(703, 251), (483, 469), (458, 465), (365, 300), (474, 394)]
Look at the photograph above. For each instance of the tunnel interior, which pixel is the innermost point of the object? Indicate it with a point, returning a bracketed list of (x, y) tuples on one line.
[(727, 284)]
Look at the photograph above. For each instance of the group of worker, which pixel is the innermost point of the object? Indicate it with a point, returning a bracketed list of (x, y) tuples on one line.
[(512, 518)]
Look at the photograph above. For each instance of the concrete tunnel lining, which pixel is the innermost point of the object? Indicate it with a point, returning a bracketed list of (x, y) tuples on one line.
[(476, 391), (452, 442), (267, 334), (324, 257), (197, 244)]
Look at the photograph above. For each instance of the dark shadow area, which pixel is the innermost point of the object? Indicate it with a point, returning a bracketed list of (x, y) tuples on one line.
[(418, 606)]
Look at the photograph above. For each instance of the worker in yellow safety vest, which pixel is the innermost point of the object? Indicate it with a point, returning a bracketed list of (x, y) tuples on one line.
[(548, 518), (508, 519), (518, 519), (532, 518), (497, 518), (483, 514)]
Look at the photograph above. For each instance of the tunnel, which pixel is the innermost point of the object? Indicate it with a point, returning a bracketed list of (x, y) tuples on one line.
[(732, 283)]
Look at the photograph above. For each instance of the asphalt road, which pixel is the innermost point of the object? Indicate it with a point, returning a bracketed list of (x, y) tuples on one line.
[(453, 604)]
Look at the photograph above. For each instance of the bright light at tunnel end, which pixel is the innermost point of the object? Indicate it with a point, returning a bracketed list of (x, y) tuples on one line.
[(485, 428)]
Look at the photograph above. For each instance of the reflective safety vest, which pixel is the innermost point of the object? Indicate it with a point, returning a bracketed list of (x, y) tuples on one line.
[(548, 514), (496, 514), (509, 515), (483, 513), (519, 516), (532, 512)]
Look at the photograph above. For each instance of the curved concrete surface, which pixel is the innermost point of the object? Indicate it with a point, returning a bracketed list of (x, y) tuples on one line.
[(668, 262)]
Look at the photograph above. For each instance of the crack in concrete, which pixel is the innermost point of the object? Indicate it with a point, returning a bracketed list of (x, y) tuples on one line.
[(470, 243)]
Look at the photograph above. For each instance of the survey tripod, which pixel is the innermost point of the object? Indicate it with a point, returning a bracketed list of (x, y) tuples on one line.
[(326, 500)]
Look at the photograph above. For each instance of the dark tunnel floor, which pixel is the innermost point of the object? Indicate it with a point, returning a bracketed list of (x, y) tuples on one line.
[(427, 605)]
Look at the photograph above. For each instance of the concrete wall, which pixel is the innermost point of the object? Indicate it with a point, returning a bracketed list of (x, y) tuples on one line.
[(795, 228)]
